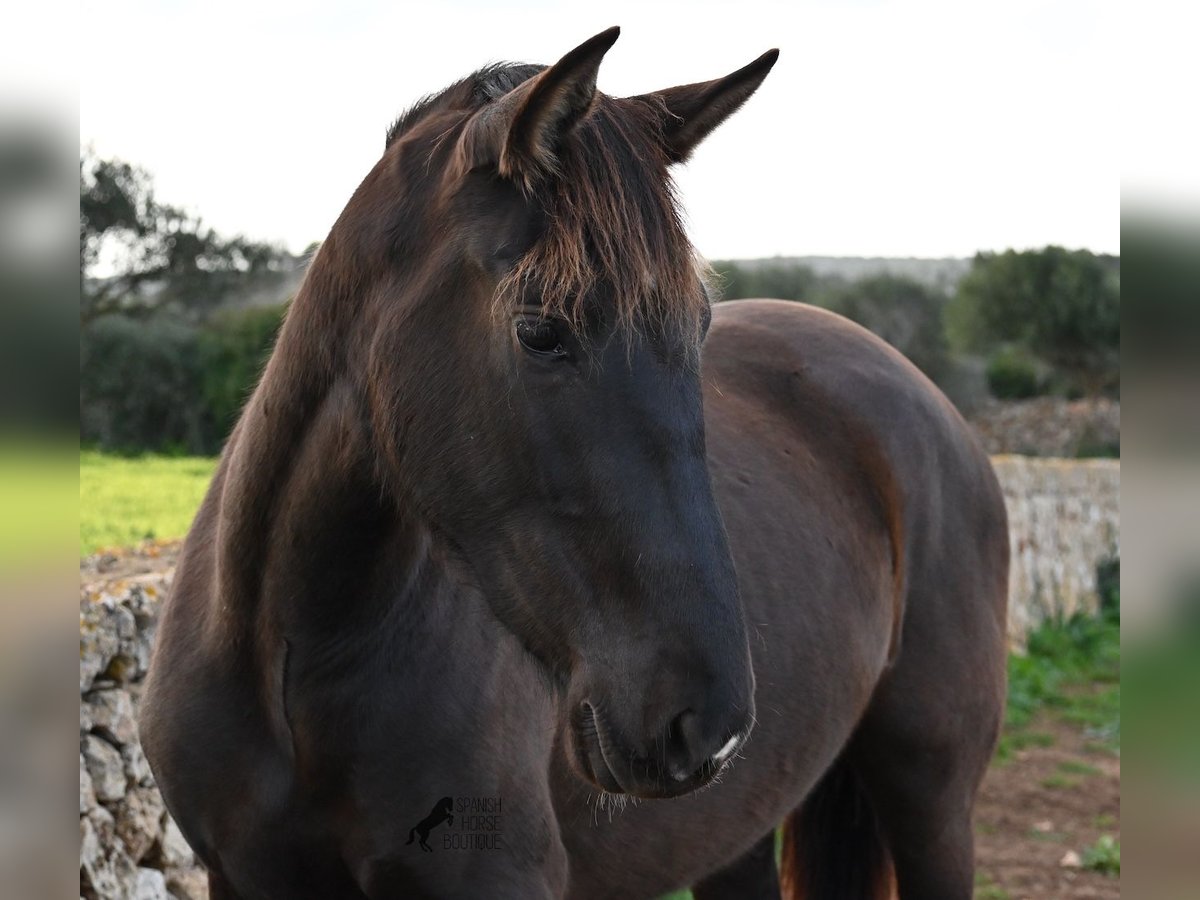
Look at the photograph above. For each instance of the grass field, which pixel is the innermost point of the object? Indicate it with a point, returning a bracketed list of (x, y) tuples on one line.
[(126, 500), (1071, 670)]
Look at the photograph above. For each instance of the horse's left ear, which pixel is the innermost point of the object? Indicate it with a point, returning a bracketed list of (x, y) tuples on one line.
[(693, 111)]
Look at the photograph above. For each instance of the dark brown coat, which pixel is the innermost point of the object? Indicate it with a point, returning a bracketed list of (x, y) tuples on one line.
[(492, 527)]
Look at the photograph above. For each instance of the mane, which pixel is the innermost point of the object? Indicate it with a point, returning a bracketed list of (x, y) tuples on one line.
[(489, 83), (613, 222)]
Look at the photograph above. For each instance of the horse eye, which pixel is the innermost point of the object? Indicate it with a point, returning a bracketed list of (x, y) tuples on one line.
[(540, 337)]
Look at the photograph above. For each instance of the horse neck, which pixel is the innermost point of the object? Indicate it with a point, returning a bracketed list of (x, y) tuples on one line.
[(302, 510)]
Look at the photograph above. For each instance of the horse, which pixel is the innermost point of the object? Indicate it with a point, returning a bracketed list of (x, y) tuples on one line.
[(518, 515), (443, 811)]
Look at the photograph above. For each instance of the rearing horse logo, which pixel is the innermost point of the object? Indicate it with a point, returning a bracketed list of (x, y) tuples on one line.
[(443, 811)]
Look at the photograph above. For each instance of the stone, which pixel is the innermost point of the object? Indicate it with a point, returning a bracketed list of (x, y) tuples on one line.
[(137, 767), (1071, 860), (112, 716), (141, 647), (105, 766), (139, 821), (143, 598), (188, 884), (105, 869), (87, 794), (151, 884), (1050, 426), (107, 631), (176, 854), (1064, 520), (98, 642)]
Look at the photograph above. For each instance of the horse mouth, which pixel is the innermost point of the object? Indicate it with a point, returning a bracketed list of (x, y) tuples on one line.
[(593, 748), (590, 751)]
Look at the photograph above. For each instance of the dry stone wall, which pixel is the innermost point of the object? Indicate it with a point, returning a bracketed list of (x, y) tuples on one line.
[(129, 848), (1064, 520)]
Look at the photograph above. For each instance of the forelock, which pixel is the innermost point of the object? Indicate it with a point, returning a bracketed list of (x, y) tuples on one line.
[(612, 217)]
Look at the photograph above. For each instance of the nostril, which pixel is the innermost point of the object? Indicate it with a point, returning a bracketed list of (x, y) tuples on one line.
[(683, 741), (676, 755)]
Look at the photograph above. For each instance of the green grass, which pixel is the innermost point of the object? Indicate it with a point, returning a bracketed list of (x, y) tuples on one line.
[(1075, 767), (986, 889), (1053, 837), (123, 501), (1071, 669), (1104, 856)]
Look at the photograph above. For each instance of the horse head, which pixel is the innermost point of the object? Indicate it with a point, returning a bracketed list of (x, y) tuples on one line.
[(531, 315)]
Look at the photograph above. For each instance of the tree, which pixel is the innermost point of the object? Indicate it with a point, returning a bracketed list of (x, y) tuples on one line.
[(158, 253), (1062, 306)]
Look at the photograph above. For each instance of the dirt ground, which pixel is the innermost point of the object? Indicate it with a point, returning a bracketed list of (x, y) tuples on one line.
[(1039, 808), (1038, 811)]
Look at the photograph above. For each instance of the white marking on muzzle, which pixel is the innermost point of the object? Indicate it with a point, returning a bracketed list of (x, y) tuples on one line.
[(727, 751)]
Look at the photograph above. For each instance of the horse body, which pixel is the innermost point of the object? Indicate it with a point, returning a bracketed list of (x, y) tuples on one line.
[(846, 482), (404, 586)]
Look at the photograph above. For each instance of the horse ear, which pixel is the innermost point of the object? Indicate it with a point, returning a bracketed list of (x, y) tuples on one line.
[(520, 132), (694, 110)]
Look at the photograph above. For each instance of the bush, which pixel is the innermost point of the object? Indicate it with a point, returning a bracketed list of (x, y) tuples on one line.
[(1063, 307), (1062, 656), (1012, 376), (139, 386), (234, 347), (166, 386)]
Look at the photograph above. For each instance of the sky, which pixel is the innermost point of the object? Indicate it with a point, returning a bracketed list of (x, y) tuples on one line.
[(906, 128)]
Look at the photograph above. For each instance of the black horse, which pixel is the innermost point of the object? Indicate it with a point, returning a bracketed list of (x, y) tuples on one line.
[(492, 523), (443, 811)]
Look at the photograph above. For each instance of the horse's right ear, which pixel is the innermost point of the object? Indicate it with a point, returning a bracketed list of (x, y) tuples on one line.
[(520, 133), (692, 111)]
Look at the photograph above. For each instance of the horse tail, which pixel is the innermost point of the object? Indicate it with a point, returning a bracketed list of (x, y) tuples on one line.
[(411, 834), (834, 845)]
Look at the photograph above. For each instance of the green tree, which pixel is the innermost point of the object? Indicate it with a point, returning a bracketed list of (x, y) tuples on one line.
[(165, 384), (139, 386), (1062, 306), (234, 346), (156, 253)]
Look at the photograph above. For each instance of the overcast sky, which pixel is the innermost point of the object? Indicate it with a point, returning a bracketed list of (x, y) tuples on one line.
[(887, 128)]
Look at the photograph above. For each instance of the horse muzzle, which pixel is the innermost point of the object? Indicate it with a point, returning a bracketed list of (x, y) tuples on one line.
[(684, 760)]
